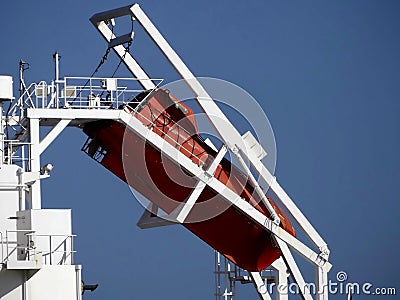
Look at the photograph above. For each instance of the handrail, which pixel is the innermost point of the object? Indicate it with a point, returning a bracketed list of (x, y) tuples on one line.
[(67, 93), (16, 247), (43, 95), (49, 251), (12, 149), (83, 92), (22, 101)]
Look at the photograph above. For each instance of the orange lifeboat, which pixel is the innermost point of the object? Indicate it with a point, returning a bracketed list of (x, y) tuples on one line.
[(161, 181)]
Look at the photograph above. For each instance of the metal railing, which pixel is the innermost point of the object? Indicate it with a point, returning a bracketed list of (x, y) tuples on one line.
[(12, 149), (33, 248), (106, 93), (68, 93), (67, 252), (79, 92), (12, 246), (27, 99)]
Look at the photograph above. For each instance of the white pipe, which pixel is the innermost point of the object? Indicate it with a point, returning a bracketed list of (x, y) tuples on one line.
[(56, 58)]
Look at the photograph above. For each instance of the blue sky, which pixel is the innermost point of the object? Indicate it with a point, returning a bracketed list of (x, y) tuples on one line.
[(326, 73)]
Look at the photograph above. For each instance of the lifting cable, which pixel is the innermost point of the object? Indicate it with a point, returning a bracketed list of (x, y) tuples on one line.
[(127, 49), (103, 60)]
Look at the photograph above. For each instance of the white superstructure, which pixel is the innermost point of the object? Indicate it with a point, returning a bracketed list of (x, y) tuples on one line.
[(37, 254)]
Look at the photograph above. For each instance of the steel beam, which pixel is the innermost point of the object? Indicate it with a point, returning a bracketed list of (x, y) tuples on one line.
[(34, 193), (53, 134), (260, 286), (281, 279), (99, 21), (294, 270), (321, 278), (296, 213), (72, 114), (182, 211), (110, 14)]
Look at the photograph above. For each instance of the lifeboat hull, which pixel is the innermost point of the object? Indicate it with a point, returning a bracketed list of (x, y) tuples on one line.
[(161, 181)]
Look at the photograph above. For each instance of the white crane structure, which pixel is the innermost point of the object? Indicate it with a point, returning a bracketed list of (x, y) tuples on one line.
[(37, 244)]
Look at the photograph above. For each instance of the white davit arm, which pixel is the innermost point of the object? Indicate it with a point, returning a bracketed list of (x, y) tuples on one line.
[(232, 140)]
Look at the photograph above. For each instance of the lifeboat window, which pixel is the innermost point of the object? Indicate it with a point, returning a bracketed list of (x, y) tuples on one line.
[(94, 150)]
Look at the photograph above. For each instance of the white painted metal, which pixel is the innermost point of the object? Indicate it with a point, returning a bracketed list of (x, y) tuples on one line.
[(34, 194), (9, 204), (135, 125), (260, 285), (36, 245), (253, 145), (222, 125), (126, 57), (2, 154), (231, 138), (228, 133), (257, 188), (226, 275), (61, 283), (74, 114), (51, 234), (139, 128), (226, 130), (295, 212), (281, 279), (181, 212), (79, 287), (210, 144), (6, 88), (322, 283), (37, 240), (230, 196), (56, 58), (294, 270), (52, 135)]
